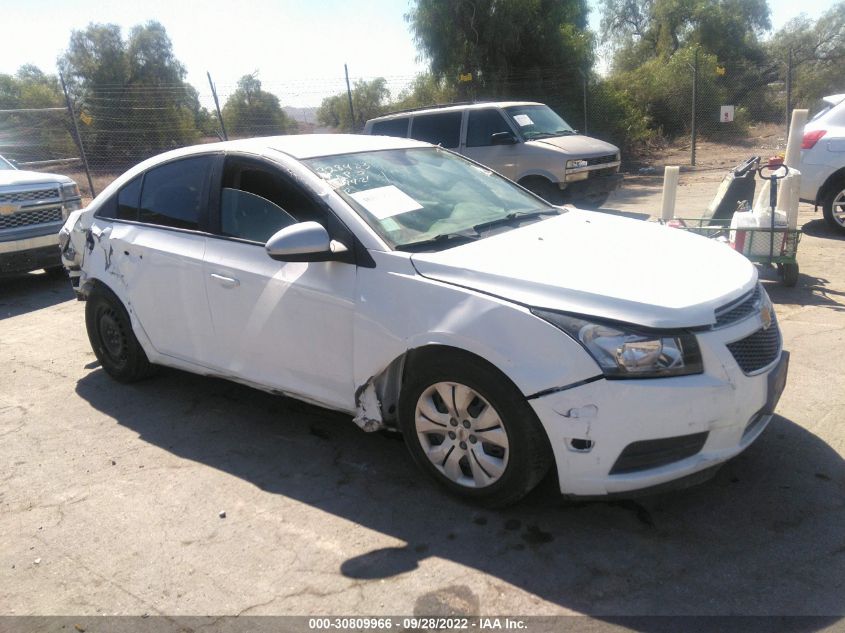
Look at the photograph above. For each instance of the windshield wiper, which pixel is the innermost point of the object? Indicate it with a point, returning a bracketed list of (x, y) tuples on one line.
[(551, 134), (446, 239), (515, 217)]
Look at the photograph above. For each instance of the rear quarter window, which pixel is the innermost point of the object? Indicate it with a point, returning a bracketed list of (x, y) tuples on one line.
[(391, 127)]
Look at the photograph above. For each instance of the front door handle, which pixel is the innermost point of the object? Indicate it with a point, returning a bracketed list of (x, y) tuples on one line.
[(226, 282)]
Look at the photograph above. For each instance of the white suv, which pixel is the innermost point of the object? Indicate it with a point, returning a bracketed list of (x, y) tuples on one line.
[(409, 287), (823, 161)]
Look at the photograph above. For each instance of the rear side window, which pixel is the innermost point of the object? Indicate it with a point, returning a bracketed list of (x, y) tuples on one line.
[(391, 127), (173, 193), (128, 199), (482, 124), (438, 129)]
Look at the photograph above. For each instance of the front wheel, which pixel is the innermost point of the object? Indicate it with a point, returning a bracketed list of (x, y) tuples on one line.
[(472, 430), (833, 207)]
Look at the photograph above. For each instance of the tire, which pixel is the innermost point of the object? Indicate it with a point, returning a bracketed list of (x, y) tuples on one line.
[(592, 202), (788, 274), (833, 207), (112, 339), (494, 452), (56, 272), (544, 188)]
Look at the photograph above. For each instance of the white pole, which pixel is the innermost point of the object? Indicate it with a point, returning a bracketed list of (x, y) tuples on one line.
[(670, 191), (793, 143)]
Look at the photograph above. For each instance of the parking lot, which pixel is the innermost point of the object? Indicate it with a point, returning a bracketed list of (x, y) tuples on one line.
[(188, 495)]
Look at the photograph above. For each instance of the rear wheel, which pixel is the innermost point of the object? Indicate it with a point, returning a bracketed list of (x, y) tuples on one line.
[(833, 207), (471, 429), (112, 339)]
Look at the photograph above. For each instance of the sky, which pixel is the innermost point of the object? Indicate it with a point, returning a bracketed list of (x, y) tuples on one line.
[(297, 48)]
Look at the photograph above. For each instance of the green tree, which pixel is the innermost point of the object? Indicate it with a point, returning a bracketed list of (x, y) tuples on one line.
[(425, 90), (251, 111), (28, 135), (532, 49), (131, 94), (818, 54), (369, 99)]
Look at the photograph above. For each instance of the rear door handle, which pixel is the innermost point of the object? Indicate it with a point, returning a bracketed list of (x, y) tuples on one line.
[(226, 282)]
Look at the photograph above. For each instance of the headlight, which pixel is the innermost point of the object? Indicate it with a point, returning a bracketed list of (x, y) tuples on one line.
[(626, 353), (70, 190)]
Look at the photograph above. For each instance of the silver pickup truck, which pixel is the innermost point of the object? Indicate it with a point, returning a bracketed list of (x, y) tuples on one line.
[(33, 207)]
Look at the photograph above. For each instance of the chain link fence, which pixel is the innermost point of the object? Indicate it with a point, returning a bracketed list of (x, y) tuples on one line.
[(710, 117)]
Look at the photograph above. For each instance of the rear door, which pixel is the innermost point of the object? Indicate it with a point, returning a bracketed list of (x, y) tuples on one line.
[(156, 248), (283, 325)]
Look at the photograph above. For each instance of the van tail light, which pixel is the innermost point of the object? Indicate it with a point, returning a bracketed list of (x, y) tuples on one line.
[(811, 138)]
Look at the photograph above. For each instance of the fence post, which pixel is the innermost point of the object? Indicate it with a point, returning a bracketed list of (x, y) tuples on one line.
[(78, 136), (788, 91), (694, 99), (217, 106), (349, 95), (584, 89)]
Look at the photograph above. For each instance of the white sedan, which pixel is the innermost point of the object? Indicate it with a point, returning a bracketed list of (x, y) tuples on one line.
[(823, 161), (413, 288)]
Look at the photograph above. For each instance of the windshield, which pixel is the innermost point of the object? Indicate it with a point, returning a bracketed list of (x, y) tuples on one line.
[(538, 121), (4, 164), (426, 196)]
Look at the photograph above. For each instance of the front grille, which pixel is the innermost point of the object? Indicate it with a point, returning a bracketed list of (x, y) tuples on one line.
[(29, 218), (648, 454), (601, 160), (29, 196), (737, 310), (758, 350)]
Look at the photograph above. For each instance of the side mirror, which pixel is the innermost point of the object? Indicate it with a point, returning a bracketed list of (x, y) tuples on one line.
[(303, 242), (502, 138)]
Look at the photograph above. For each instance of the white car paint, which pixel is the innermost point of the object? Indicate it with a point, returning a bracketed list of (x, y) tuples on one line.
[(826, 158), (335, 334)]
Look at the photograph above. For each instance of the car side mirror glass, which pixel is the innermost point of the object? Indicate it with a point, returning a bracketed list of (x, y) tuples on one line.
[(302, 242), (502, 138)]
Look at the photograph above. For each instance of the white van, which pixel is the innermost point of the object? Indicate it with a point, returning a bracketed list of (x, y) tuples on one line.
[(524, 141)]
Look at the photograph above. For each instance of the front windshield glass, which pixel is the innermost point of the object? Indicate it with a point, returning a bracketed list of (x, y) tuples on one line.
[(538, 121), (4, 164), (426, 196)]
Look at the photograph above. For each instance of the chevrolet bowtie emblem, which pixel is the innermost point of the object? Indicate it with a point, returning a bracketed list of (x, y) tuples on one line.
[(7, 209)]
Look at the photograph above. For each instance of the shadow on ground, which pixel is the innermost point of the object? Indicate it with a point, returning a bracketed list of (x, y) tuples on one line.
[(20, 294), (763, 537)]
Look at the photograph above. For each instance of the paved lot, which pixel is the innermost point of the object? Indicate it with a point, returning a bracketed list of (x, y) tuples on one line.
[(111, 494)]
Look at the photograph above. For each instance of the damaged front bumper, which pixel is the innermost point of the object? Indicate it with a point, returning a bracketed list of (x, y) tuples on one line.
[(618, 436)]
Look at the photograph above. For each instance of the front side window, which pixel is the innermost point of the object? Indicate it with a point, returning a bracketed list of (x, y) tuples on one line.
[(420, 195), (438, 129), (173, 193), (257, 201), (538, 121), (4, 164), (482, 125)]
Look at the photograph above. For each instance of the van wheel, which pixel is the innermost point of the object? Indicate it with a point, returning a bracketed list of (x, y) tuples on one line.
[(472, 430), (592, 202), (833, 207), (544, 188), (112, 339)]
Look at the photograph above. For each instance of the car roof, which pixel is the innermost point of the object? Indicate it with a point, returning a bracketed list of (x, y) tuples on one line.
[(456, 106), (298, 146)]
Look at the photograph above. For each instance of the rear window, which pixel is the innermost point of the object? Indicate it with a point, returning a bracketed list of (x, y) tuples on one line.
[(443, 128), (391, 127)]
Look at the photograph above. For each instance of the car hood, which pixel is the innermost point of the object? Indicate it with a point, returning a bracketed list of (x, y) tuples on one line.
[(578, 145), (600, 265), (13, 177)]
